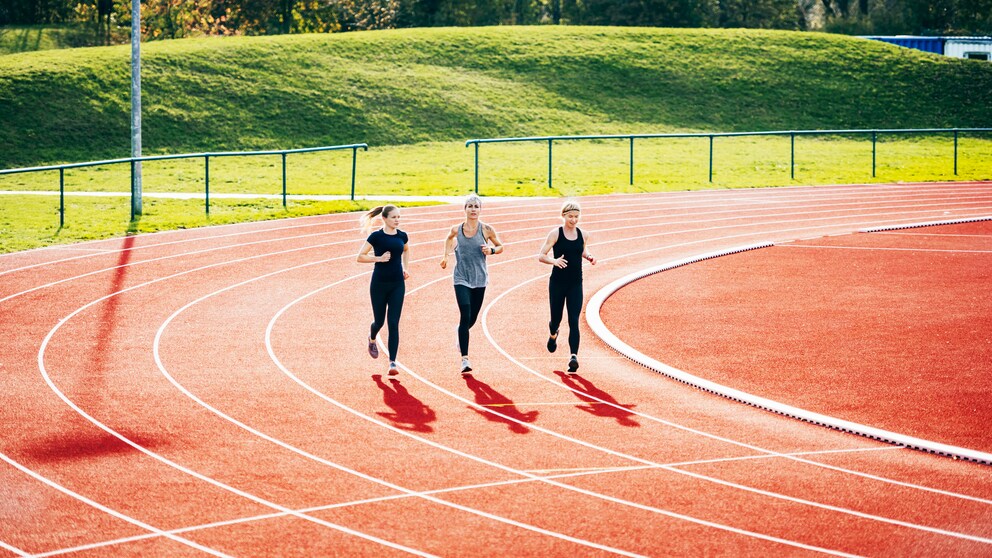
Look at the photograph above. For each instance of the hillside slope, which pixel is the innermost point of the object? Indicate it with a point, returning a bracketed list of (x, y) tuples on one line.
[(409, 86)]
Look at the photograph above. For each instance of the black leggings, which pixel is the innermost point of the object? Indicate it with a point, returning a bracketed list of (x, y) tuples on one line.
[(469, 306), (387, 304), (562, 295)]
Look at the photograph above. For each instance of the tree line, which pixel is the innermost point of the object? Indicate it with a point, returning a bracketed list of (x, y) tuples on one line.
[(109, 21)]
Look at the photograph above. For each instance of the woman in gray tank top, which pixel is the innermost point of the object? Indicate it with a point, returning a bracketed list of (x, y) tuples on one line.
[(471, 241)]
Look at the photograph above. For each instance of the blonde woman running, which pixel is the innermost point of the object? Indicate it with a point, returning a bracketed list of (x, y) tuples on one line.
[(388, 249), (472, 241), (569, 245)]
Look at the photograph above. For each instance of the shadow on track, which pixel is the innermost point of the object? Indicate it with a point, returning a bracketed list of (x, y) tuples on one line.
[(488, 397), (593, 405), (409, 413)]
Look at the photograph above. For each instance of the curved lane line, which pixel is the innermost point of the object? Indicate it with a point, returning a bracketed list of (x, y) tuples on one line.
[(321, 460), (595, 322), (212, 266), (108, 511)]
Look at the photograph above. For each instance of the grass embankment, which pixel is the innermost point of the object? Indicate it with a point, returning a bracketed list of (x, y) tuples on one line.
[(415, 95)]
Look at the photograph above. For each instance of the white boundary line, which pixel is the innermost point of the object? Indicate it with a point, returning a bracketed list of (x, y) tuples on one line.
[(595, 322), (253, 231)]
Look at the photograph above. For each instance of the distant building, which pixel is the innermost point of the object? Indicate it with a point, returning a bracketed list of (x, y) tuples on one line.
[(975, 48)]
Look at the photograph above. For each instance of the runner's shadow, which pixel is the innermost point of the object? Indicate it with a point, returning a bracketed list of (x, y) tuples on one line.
[(486, 396), (587, 392), (409, 413)]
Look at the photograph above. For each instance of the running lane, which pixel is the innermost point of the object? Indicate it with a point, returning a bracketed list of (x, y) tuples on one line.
[(212, 394)]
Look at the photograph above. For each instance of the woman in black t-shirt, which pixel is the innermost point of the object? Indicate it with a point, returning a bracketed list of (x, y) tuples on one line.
[(390, 253), (570, 247)]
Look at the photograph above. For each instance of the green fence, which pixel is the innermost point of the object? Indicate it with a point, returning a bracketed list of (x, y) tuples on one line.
[(874, 134), (133, 161)]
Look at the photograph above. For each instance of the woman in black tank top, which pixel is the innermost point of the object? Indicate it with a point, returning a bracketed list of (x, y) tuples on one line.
[(569, 245)]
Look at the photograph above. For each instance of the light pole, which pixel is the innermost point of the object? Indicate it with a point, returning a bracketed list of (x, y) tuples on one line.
[(135, 107)]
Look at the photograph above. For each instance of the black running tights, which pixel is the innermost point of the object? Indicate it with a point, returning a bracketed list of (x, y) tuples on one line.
[(562, 296), (469, 306), (387, 305)]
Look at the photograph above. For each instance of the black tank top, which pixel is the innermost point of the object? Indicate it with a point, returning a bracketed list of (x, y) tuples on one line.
[(572, 250)]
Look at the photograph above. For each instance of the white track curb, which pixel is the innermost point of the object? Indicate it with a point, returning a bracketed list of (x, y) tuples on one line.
[(599, 328)]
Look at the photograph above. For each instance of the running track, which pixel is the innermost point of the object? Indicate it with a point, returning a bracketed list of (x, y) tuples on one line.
[(207, 392)]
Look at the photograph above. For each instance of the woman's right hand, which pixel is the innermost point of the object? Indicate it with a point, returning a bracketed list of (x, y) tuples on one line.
[(385, 257), (444, 263), (561, 262)]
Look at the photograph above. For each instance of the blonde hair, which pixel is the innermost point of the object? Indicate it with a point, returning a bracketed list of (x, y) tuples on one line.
[(570, 206), (366, 220)]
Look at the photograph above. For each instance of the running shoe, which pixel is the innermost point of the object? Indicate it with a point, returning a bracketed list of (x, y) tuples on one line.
[(573, 364), (553, 342), (466, 367), (373, 349), (393, 370)]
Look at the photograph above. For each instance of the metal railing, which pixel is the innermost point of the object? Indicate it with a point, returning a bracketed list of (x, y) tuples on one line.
[(791, 133), (206, 168)]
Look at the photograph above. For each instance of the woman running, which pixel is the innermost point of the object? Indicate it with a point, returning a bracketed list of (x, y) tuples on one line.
[(569, 244), (472, 242), (391, 256)]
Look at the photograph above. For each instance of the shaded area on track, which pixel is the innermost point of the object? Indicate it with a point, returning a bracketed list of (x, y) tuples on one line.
[(892, 330)]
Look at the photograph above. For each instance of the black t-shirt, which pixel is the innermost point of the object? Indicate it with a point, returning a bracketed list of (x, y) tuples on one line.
[(392, 243)]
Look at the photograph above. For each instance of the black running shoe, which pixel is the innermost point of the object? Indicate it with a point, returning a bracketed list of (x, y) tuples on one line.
[(573, 364), (553, 343), (373, 349)]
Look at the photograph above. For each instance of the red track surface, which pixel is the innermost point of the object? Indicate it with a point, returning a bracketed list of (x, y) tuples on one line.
[(208, 391), (888, 329)]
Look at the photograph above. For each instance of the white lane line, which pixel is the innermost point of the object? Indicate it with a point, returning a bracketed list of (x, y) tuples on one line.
[(711, 479), (109, 511), (597, 495), (212, 266), (657, 201), (13, 549), (161, 458), (318, 459), (592, 471), (882, 249)]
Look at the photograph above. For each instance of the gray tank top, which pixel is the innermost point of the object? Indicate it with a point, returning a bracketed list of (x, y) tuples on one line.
[(470, 262)]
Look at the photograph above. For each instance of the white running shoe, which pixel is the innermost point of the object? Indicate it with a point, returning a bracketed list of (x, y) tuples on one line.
[(466, 366)]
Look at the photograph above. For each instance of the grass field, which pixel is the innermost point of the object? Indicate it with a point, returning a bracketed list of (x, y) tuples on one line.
[(416, 95)]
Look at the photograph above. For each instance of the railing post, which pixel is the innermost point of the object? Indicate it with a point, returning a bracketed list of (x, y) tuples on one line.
[(955, 152), (476, 167), (284, 181), (792, 155), (711, 158), (631, 160), (133, 187), (874, 138), (549, 162), (354, 165), (61, 198), (206, 182)]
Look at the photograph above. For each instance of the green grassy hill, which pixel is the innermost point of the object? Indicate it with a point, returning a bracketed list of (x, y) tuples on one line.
[(441, 85)]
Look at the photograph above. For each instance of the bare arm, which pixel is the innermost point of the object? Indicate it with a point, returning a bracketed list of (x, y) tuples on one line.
[(549, 243), (449, 246), (406, 260), (491, 237), (365, 257), (585, 248)]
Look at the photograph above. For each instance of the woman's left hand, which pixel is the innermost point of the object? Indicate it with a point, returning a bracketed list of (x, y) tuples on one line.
[(406, 274)]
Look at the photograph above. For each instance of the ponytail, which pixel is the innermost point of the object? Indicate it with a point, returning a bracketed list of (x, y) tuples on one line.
[(366, 220)]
